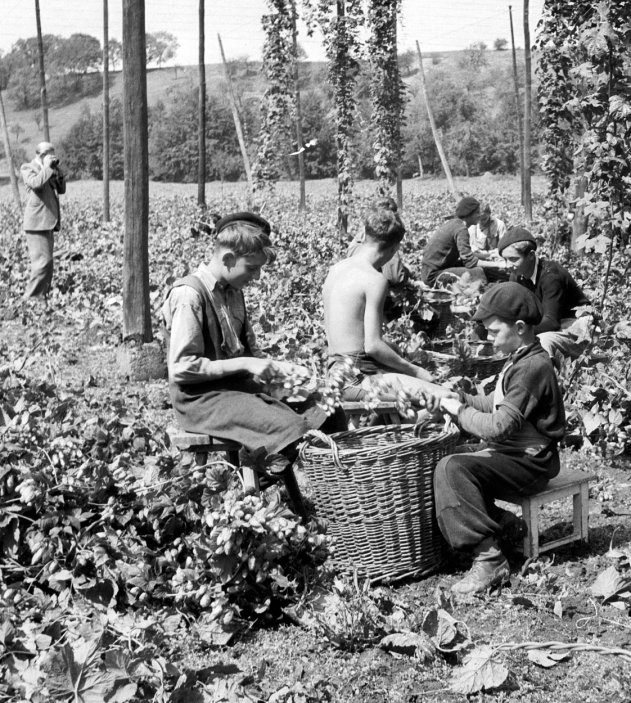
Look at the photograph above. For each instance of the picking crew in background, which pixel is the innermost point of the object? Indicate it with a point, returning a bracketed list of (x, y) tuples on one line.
[(449, 249), (553, 285), (44, 182), (485, 236)]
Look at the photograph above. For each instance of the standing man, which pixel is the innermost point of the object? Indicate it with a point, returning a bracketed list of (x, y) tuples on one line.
[(44, 182), (449, 249)]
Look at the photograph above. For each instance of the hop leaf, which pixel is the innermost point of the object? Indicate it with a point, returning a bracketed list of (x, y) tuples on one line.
[(481, 672)]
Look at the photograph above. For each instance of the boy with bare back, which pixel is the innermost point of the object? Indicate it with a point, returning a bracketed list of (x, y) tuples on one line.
[(354, 294)]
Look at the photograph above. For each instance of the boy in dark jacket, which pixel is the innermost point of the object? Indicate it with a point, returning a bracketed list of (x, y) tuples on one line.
[(558, 292), (521, 423)]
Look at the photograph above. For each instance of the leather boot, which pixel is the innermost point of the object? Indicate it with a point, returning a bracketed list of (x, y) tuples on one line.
[(489, 569)]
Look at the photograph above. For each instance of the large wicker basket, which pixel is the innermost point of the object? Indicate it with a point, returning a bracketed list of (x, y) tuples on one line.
[(375, 487)]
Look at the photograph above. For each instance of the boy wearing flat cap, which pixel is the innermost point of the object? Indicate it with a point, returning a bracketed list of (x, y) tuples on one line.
[(521, 423), (449, 248), (552, 284), (215, 369)]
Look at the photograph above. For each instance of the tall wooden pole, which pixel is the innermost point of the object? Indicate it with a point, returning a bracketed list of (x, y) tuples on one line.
[(106, 115), (201, 117), (42, 73), (527, 119), (7, 153), (432, 124), (232, 98), (518, 104), (342, 131), (299, 138), (136, 307)]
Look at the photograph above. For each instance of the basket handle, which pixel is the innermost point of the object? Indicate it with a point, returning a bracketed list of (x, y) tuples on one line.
[(335, 452)]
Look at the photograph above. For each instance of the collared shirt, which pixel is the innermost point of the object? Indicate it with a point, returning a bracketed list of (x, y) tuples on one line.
[(533, 278), (486, 239), (183, 314)]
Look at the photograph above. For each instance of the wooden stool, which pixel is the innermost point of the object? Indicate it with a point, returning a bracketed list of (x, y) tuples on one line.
[(202, 444), (354, 412), (566, 484)]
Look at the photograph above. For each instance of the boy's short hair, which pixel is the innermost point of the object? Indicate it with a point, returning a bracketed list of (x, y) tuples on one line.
[(246, 236), (387, 202), (384, 226)]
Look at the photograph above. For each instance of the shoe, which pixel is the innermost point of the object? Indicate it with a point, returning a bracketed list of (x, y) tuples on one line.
[(482, 576)]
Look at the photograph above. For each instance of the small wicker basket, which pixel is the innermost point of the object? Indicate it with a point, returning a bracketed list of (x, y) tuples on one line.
[(440, 301), (375, 487), (484, 366)]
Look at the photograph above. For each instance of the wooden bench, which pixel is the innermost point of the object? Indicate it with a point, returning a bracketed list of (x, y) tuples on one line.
[(202, 444), (574, 484), (355, 411)]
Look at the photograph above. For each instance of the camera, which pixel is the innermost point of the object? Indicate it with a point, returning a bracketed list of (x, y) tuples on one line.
[(54, 161)]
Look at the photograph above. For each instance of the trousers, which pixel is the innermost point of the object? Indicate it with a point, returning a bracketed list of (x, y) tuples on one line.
[(467, 485), (40, 250)]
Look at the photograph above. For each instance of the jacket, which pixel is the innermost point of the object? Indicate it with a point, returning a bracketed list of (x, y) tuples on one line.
[(43, 184)]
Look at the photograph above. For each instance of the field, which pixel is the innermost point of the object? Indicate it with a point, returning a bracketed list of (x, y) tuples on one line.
[(109, 568)]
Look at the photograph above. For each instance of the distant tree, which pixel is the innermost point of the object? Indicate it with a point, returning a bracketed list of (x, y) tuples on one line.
[(5, 71), (408, 63), (115, 53), (17, 129), (500, 44), (79, 53), (82, 147), (161, 47), (474, 57), (71, 67)]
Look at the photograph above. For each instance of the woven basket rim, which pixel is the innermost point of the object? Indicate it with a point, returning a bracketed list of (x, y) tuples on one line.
[(446, 433)]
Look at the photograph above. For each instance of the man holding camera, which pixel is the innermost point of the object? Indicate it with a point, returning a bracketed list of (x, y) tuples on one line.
[(44, 182)]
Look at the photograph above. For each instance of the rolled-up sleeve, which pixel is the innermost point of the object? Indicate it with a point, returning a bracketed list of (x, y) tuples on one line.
[(468, 258)]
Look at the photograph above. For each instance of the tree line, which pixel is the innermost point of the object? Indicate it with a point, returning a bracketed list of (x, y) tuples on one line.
[(472, 97), (73, 66)]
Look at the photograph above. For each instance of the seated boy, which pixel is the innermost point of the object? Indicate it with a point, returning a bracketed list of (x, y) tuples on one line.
[(521, 422), (558, 292), (215, 372), (354, 293)]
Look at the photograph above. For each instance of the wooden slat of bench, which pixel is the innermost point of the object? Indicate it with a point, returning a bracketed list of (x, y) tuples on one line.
[(559, 484), (355, 406), (191, 440)]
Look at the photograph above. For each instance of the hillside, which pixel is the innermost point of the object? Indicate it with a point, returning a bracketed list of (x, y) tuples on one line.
[(161, 81)]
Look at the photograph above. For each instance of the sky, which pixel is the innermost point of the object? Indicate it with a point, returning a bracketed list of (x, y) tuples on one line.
[(438, 25)]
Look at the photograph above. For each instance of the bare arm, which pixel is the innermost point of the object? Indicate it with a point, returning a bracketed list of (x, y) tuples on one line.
[(373, 343)]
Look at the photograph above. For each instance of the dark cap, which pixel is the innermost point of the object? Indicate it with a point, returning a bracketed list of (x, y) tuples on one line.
[(514, 235), (467, 206), (511, 301), (249, 218)]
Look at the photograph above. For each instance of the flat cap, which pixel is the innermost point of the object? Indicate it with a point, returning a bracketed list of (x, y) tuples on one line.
[(511, 301), (467, 206), (249, 218), (514, 235)]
